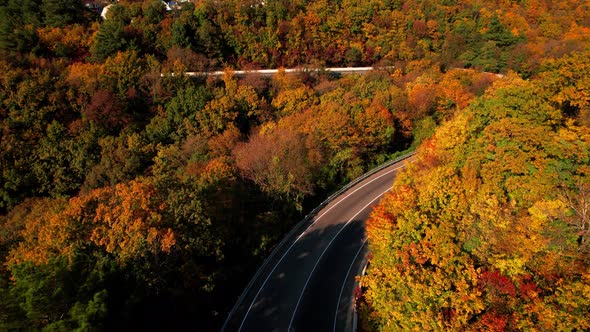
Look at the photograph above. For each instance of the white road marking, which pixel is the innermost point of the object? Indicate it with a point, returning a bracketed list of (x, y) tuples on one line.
[(299, 237), (326, 249), (344, 282), (345, 197)]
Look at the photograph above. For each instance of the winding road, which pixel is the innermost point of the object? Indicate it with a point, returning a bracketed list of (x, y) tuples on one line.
[(307, 283)]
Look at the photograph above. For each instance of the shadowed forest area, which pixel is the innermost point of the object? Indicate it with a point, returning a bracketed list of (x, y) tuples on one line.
[(134, 197)]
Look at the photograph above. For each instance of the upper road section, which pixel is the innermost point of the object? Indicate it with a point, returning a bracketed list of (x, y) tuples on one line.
[(270, 72), (307, 283)]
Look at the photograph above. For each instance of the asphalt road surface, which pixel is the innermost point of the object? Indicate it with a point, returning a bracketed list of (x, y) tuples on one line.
[(307, 284)]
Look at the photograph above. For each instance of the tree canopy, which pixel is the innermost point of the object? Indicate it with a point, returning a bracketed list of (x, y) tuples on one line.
[(135, 197)]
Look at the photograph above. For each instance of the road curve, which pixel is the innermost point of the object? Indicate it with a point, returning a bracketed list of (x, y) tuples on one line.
[(307, 283)]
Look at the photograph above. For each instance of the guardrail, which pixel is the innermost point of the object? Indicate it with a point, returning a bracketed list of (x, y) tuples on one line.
[(270, 72), (303, 222)]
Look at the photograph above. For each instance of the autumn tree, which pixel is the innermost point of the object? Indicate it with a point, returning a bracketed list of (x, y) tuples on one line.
[(291, 94), (567, 83), (71, 252), (280, 161), (234, 104), (70, 42)]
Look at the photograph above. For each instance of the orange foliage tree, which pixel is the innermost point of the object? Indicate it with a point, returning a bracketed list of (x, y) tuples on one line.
[(125, 220), (280, 161)]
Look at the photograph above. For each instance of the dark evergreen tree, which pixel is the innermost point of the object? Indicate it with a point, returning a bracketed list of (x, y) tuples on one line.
[(60, 13)]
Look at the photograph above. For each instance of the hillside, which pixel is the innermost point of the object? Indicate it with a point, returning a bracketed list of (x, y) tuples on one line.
[(134, 197), (488, 230)]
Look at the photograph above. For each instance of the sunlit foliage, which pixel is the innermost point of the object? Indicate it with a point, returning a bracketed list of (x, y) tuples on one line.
[(487, 230)]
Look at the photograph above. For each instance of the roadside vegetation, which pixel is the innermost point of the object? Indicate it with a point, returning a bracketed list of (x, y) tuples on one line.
[(488, 230)]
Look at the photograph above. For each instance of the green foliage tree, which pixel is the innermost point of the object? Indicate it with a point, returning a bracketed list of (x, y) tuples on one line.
[(122, 158), (154, 12), (62, 161), (109, 39), (18, 20), (112, 35), (178, 120), (122, 73), (184, 30), (49, 298), (59, 13)]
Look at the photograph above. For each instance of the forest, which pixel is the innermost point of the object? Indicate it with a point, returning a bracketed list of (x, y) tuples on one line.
[(135, 197)]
